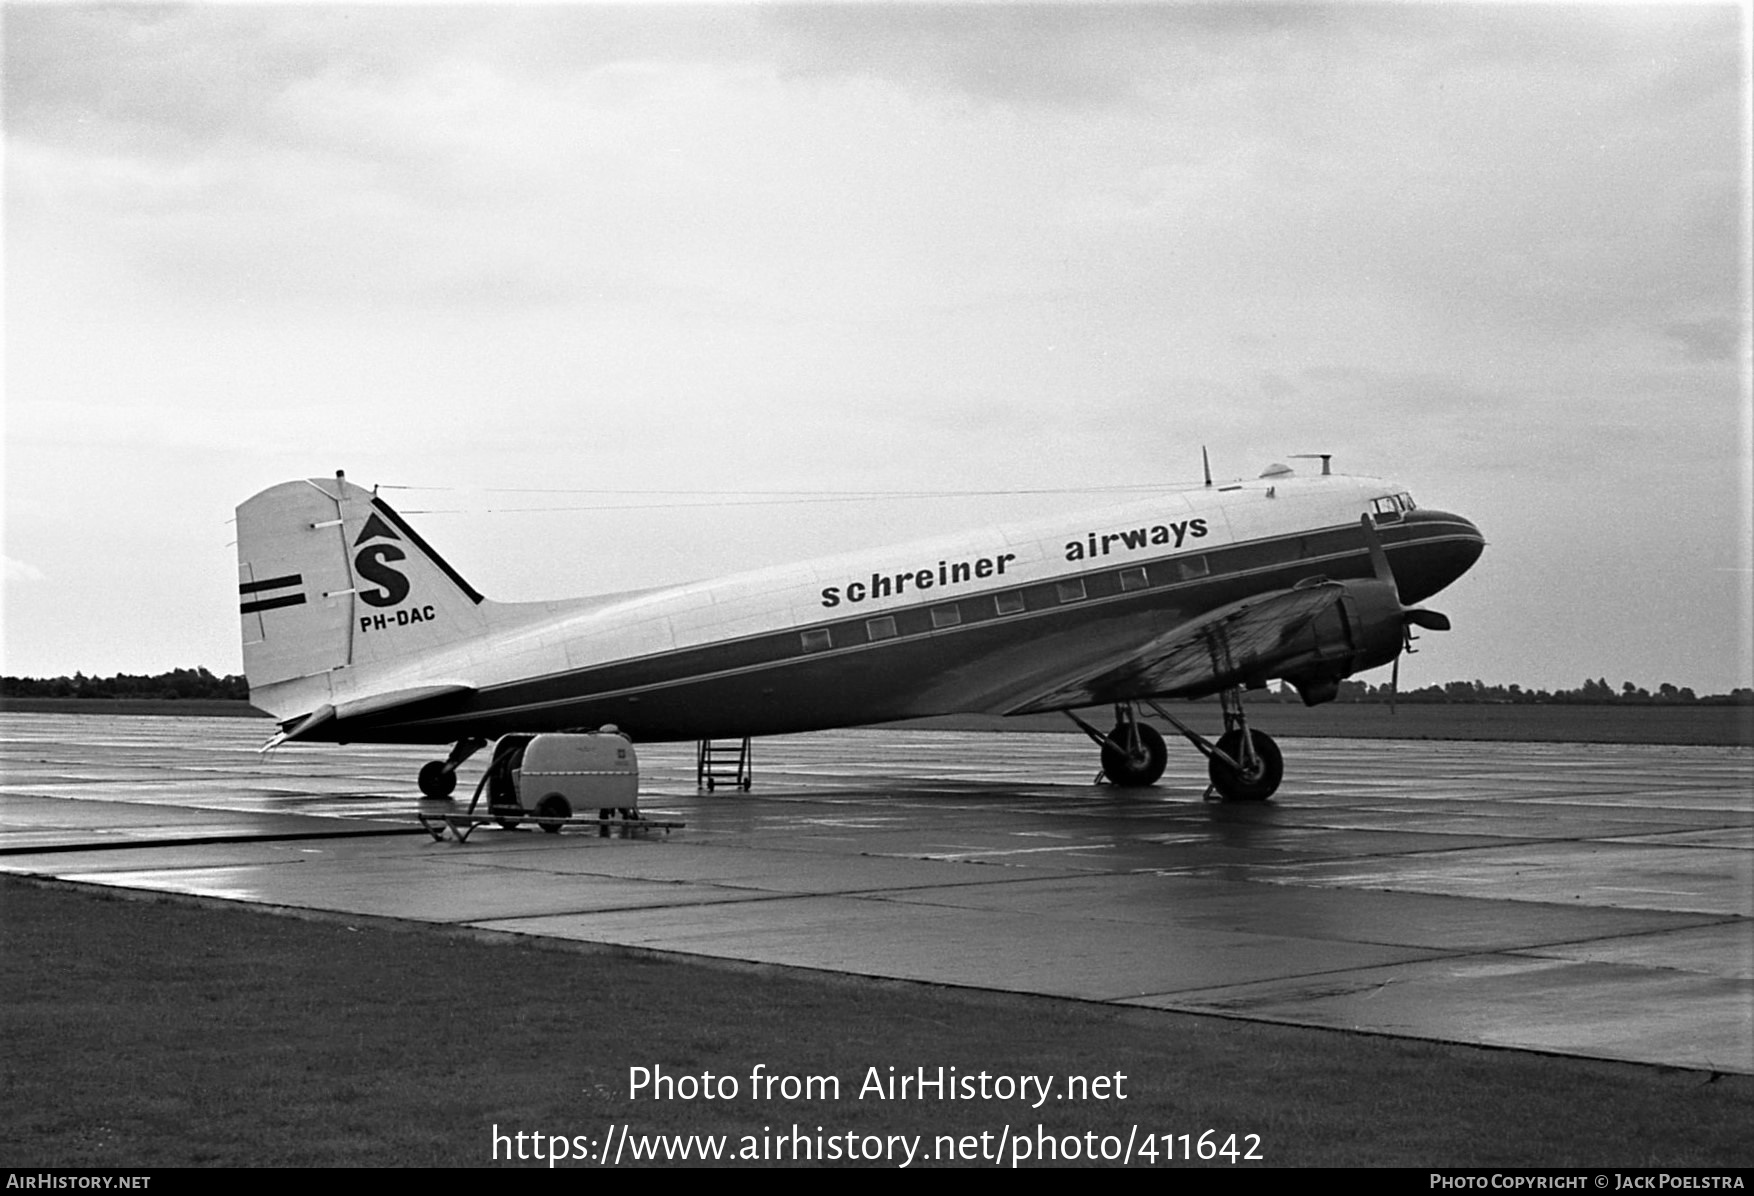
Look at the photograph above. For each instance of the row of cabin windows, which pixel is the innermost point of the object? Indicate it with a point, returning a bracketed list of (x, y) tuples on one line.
[(1011, 602)]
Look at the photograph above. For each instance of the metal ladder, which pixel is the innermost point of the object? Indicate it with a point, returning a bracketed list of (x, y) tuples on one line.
[(715, 765)]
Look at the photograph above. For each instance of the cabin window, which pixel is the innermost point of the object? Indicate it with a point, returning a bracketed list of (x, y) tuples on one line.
[(817, 641), (946, 616), (881, 629), (1387, 510), (1193, 566), (1071, 591), (1135, 578), (1010, 603)]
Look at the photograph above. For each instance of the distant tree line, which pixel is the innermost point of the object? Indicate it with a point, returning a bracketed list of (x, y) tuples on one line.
[(176, 684), (199, 683), (1590, 693)]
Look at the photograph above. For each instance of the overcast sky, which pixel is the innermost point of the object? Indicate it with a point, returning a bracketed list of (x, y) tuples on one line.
[(1497, 252)]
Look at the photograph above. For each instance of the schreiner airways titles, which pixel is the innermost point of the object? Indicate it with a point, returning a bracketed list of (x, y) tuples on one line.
[(951, 573)]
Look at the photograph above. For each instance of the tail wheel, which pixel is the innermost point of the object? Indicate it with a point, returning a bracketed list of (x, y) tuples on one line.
[(1254, 783), (1139, 766), (437, 781), (550, 811)]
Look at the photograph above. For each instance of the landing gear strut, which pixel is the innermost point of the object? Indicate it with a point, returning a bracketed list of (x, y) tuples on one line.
[(438, 778), (1257, 769), (1133, 754), (1244, 765)]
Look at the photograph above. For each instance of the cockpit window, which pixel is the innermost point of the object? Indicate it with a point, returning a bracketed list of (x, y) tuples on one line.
[(1391, 507), (1386, 509)]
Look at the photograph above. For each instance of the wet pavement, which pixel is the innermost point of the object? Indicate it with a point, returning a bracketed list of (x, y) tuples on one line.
[(1590, 900)]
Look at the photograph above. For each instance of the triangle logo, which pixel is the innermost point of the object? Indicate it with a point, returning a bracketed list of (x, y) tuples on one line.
[(375, 528)]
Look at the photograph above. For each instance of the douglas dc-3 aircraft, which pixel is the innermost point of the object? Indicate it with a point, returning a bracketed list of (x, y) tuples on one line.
[(355, 630)]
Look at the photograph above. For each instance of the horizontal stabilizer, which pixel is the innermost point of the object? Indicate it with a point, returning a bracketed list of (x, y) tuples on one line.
[(374, 703), (359, 707), (303, 726)]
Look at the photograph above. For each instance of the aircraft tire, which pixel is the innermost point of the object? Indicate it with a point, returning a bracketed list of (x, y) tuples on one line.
[(1233, 785), (1136, 773), (549, 810), (436, 781)]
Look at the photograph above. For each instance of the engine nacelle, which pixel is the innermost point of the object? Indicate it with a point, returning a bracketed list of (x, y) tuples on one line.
[(1364, 628)]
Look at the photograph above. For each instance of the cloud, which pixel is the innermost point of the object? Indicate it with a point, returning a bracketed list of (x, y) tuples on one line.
[(1706, 340), (23, 571), (1075, 58), (905, 246)]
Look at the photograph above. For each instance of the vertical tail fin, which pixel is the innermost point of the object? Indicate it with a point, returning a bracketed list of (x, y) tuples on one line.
[(330, 577)]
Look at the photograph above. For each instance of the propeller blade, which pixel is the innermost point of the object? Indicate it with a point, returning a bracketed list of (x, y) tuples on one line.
[(1379, 560), (1410, 617)]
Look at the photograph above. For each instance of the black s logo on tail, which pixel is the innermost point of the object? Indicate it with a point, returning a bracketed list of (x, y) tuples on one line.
[(370, 564)]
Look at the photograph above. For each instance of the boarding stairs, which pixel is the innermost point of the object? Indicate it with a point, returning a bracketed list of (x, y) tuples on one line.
[(727, 762)]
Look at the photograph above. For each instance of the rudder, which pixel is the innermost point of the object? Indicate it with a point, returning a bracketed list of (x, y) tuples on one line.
[(331, 577)]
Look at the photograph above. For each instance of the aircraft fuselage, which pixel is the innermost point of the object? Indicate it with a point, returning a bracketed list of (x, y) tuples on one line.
[(980, 622)]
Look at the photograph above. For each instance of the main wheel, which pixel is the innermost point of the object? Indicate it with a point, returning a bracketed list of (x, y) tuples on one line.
[(1254, 784), (1137, 768), (549, 810), (436, 781)]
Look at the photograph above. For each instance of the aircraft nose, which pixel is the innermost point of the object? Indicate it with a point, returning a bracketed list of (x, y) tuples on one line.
[(1463, 544), (1445, 546), (1469, 532), (1456, 525)]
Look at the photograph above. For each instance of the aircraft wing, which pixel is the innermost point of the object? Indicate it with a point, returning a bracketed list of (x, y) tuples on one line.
[(1224, 647)]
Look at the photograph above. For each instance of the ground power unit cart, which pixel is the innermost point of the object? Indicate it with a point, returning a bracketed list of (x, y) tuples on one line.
[(556, 780)]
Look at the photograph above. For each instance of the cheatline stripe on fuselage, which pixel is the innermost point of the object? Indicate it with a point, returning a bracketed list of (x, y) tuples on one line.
[(777, 649)]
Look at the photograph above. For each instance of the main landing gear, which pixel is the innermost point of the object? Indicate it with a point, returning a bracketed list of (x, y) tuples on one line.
[(1133, 754), (438, 778), (1244, 765)]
